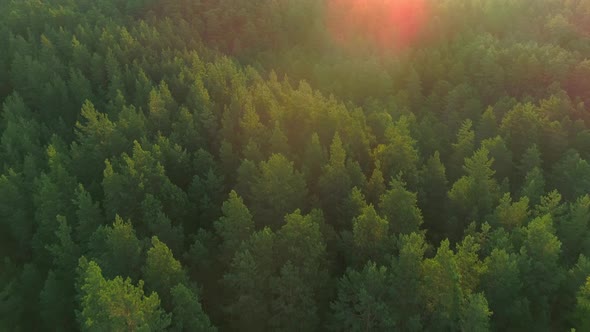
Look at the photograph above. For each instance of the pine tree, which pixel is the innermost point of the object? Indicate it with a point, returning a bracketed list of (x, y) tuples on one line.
[(370, 236), (399, 206), (335, 183), (162, 271), (376, 185), (116, 305), (363, 301), (582, 322), (433, 198), (235, 226), (117, 249), (462, 149), (188, 314)]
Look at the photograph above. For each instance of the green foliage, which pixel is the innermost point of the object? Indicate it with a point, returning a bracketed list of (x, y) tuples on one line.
[(442, 289), (363, 301), (541, 251), (57, 296), (235, 226), (503, 286), (474, 194), (531, 159), (432, 196), (408, 279), (278, 190), (510, 214), (117, 248), (160, 225), (126, 185), (188, 314), (534, 185), (476, 315), (522, 127), (53, 196), (399, 206), (21, 135), (116, 305), (487, 126), (470, 267), (281, 165), (248, 278), (97, 138), (89, 215), (573, 230), (335, 182), (501, 155), (399, 153), (462, 148), (375, 186), (277, 279), (370, 234), (583, 307), (571, 176), (314, 157), (162, 271), (17, 219)]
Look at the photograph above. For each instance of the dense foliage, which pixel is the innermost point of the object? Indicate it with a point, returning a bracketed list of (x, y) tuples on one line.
[(249, 165)]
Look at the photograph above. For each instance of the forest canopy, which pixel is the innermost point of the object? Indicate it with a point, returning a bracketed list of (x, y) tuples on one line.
[(295, 165)]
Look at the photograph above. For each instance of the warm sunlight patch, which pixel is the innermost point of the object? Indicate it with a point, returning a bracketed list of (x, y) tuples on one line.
[(387, 23)]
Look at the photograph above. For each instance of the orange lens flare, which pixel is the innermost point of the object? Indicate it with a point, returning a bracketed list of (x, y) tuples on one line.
[(388, 24)]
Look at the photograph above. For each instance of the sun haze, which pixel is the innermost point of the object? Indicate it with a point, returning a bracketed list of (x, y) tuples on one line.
[(388, 24)]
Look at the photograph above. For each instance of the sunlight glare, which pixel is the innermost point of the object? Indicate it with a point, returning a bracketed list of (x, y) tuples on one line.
[(389, 24)]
